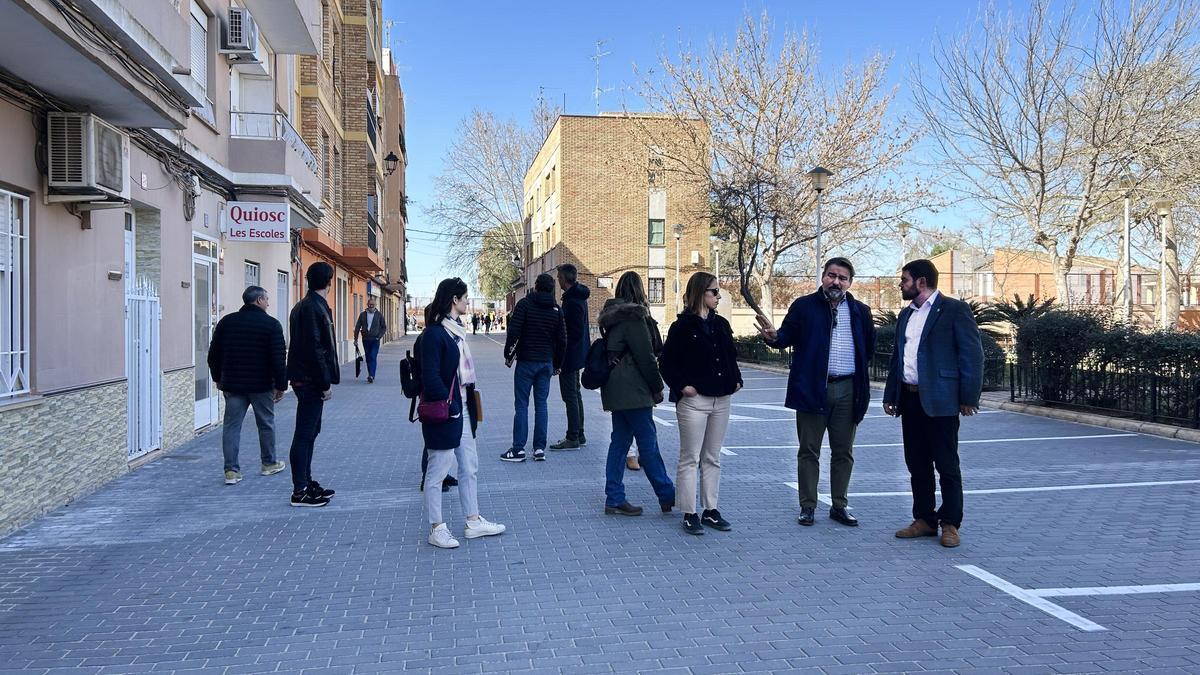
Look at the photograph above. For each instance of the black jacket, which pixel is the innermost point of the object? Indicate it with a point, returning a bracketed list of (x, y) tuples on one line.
[(575, 315), (376, 331), (536, 331), (246, 355), (312, 357), (699, 355)]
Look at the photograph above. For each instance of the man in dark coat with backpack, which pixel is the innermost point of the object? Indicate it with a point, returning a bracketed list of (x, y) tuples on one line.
[(575, 316)]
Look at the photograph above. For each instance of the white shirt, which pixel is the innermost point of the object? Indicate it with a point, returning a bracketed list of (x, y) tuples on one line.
[(912, 336)]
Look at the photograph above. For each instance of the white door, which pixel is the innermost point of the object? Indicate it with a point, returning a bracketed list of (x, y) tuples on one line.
[(142, 369), (204, 313), (282, 307)]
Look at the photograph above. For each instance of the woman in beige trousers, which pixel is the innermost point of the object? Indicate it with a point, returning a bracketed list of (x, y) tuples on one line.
[(699, 364)]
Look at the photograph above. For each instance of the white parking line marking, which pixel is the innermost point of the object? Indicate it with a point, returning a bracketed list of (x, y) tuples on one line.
[(728, 452), (982, 440), (765, 406), (1044, 488), (1031, 599), (1113, 590), (662, 421)]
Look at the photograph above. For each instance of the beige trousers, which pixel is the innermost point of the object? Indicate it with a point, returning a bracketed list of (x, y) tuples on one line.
[(702, 424)]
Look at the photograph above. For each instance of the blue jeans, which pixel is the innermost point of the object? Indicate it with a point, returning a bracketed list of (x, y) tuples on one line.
[(531, 375), (371, 354), (626, 426)]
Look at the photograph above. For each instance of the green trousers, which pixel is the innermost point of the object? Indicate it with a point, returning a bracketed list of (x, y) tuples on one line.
[(810, 428)]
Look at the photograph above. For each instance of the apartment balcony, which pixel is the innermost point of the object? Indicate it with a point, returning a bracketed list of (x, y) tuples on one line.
[(372, 130), (39, 44), (374, 43), (366, 258), (291, 26), (266, 151)]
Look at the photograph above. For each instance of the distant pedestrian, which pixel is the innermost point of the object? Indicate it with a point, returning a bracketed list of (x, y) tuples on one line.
[(634, 387), (575, 316), (448, 374), (699, 364), (537, 341), (475, 323), (936, 374), (372, 328), (833, 338), (312, 368), (247, 360), (487, 323)]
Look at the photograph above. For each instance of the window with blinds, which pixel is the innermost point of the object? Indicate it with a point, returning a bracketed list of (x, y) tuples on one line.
[(200, 47)]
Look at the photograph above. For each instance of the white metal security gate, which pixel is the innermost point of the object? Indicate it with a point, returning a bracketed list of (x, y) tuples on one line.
[(143, 314)]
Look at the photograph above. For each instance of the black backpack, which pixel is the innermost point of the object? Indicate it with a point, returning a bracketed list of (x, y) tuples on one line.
[(598, 365), (410, 379)]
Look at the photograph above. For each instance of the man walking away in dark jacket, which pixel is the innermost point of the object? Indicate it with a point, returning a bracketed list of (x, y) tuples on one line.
[(537, 340), (833, 337), (246, 359), (372, 328), (575, 316), (312, 368)]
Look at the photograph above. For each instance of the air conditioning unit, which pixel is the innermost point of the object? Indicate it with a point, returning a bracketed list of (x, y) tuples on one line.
[(86, 156), (240, 40)]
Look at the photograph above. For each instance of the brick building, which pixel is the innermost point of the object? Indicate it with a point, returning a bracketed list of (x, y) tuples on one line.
[(341, 108), (596, 196)]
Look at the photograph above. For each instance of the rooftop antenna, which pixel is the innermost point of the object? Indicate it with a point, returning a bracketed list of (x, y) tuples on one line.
[(596, 58)]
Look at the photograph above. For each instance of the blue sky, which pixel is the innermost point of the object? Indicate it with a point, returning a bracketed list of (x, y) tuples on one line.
[(456, 56)]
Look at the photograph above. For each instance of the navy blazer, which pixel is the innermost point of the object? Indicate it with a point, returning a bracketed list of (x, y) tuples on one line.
[(807, 327), (437, 354), (949, 359)]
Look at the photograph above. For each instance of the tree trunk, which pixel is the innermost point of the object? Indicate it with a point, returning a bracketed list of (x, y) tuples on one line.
[(1062, 284)]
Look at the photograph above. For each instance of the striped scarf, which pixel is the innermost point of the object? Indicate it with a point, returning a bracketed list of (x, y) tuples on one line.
[(466, 365)]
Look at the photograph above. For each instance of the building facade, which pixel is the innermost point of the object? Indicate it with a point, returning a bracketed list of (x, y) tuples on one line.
[(597, 197), (156, 163)]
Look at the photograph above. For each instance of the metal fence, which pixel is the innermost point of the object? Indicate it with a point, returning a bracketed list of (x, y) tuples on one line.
[(1169, 398)]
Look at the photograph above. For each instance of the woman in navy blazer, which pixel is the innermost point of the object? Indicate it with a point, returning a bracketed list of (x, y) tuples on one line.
[(448, 373)]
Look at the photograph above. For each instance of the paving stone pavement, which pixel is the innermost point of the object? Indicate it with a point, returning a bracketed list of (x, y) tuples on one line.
[(168, 570)]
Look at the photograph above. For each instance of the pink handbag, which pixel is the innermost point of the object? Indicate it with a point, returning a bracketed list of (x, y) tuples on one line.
[(436, 412)]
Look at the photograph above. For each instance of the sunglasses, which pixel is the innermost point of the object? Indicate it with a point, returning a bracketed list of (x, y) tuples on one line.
[(715, 291)]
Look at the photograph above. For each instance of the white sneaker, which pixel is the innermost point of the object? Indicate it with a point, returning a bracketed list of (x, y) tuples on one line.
[(481, 528), (441, 537)]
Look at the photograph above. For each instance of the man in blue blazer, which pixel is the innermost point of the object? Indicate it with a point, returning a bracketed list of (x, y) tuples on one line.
[(936, 375)]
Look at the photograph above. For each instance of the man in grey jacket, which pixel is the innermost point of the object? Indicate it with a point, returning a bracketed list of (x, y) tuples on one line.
[(372, 327)]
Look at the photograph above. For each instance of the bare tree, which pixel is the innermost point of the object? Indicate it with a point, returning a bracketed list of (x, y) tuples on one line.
[(1039, 121), (757, 119), (479, 192)]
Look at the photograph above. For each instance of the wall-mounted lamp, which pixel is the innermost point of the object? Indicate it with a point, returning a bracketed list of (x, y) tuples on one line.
[(390, 163)]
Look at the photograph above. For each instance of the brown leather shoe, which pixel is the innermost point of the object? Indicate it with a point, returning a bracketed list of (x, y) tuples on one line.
[(631, 463), (950, 537), (918, 528)]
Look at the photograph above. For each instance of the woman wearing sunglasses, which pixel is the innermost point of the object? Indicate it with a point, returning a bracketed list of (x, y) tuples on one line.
[(699, 364)]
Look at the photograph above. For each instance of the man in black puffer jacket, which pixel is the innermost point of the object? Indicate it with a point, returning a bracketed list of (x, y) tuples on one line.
[(537, 340), (246, 359)]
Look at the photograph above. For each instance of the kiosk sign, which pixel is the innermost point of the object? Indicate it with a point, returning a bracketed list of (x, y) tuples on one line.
[(258, 221)]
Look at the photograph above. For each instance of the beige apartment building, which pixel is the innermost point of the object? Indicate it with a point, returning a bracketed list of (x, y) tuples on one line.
[(154, 166), (598, 197)]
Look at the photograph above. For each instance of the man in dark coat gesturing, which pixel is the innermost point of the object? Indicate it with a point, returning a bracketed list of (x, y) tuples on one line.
[(833, 336)]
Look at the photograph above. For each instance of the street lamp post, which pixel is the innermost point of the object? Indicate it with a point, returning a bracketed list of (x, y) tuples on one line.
[(715, 243), (820, 180), (678, 237), (904, 226), (1127, 184), (1168, 268)]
